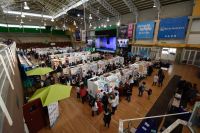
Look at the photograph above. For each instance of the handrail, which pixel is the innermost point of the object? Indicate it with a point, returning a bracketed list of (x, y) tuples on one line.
[(142, 118), (10, 56)]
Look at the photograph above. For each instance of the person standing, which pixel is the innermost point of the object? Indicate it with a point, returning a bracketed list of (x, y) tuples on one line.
[(155, 80), (128, 94), (78, 91), (114, 103), (83, 93), (107, 118), (160, 80), (104, 100)]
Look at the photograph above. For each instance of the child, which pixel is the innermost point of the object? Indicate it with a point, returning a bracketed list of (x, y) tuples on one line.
[(155, 80), (149, 92)]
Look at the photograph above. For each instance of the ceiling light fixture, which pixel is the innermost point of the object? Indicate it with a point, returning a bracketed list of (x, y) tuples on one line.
[(154, 4), (118, 23), (27, 14), (90, 17), (82, 18), (108, 19), (52, 20), (26, 7), (90, 25), (66, 9), (75, 23), (78, 15), (21, 22), (22, 15)]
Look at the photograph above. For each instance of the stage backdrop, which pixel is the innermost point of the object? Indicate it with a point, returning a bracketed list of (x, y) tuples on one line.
[(173, 28), (145, 30)]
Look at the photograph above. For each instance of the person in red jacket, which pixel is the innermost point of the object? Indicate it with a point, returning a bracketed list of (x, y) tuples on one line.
[(83, 93)]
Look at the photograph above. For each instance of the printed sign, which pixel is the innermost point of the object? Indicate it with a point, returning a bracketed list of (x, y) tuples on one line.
[(53, 113), (123, 32), (83, 35), (173, 28), (145, 30), (130, 30), (77, 35)]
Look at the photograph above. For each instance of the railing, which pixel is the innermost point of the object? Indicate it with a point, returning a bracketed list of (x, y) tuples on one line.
[(7, 65), (130, 125)]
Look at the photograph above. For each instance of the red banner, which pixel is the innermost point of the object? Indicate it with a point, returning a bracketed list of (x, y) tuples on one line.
[(130, 30)]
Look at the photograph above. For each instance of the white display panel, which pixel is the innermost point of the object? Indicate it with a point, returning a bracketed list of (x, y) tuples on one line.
[(53, 112)]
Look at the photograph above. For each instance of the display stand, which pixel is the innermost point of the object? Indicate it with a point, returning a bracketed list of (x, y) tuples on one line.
[(53, 112)]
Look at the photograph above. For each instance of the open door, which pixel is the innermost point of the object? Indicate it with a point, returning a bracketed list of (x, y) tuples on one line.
[(34, 116)]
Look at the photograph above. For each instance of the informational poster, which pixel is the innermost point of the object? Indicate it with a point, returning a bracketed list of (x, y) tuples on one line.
[(53, 112), (145, 30), (130, 30), (173, 28), (123, 32), (83, 35)]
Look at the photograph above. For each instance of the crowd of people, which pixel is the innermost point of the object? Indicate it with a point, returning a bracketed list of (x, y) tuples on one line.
[(107, 102)]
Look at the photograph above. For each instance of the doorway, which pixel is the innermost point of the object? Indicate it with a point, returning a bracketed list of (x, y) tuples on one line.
[(191, 57)]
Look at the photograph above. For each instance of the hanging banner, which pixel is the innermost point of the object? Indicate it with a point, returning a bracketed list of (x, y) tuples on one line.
[(123, 32), (77, 35), (145, 30), (83, 35), (53, 113), (130, 30), (173, 28)]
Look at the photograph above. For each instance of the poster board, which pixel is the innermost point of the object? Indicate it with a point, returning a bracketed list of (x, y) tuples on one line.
[(53, 112)]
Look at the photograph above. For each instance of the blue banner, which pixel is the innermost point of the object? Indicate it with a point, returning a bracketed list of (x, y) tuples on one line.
[(145, 30), (173, 28)]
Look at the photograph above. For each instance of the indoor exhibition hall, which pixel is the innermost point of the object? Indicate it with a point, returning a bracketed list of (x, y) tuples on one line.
[(99, 66)]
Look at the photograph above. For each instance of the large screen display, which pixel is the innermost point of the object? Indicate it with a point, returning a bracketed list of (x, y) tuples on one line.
[(107, 44), (122, 43)]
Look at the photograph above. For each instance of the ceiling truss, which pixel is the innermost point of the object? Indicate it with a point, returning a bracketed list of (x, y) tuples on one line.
[(109, 8)]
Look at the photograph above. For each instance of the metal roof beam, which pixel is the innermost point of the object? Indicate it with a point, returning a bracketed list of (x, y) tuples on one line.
[(108, 7), (94, 11), (131, 6)]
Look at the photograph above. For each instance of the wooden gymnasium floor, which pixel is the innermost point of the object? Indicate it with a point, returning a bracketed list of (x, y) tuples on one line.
[(76, 117)]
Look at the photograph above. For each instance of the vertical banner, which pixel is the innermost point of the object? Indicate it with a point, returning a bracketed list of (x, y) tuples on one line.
[(77, 35), (83, 35), (130, 30), (53, 113), (123, 32)]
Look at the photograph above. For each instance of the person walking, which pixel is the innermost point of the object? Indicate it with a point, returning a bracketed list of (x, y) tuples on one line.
[(128, 94), (107, 117), (141, 89), (160, 80), (155, 80), (149, 92), (95, 108)]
